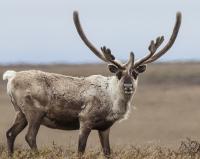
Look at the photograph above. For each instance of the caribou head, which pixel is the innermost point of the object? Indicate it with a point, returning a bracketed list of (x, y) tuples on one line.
[(127, 73)]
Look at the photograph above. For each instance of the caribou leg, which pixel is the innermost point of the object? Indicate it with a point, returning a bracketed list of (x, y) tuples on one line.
[(19, 124), (34, 121), (104, 139), (82, 141)]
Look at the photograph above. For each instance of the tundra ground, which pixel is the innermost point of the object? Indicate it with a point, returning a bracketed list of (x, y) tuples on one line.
[(166, 111)]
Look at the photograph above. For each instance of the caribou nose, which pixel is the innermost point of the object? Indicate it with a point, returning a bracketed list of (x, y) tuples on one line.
[(128, 85), (128, 88), (127, 80)]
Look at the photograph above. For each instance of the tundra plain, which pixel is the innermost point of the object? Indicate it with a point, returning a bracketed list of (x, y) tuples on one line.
[(166, 112)]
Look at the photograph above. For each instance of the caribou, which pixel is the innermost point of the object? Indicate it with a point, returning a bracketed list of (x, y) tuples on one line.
[(88, 103)]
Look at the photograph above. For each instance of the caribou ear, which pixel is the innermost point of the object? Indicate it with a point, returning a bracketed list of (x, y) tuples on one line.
[(141, 68), (112, 68)]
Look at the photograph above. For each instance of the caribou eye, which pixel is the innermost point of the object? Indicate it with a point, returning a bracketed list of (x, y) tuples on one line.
[(119, 75), (112, 68), (134, 74), (141, 69)]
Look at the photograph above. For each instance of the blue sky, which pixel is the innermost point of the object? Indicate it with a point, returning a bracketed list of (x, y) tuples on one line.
[(42, 31)]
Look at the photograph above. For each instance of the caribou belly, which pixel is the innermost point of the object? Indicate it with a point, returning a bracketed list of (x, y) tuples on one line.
[(61, 124)]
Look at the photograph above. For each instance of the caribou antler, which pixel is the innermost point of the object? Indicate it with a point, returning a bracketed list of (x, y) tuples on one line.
[(105, 55), (152, 56), (152, 48)]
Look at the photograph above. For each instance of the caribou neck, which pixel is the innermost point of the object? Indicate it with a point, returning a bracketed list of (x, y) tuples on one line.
[(121, 102)]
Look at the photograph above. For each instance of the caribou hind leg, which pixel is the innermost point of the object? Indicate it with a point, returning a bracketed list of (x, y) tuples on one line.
[(34, 119), (19, 124), (104, 139)]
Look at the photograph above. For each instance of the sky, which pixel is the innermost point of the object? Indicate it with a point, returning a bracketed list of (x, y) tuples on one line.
[(42, 31)]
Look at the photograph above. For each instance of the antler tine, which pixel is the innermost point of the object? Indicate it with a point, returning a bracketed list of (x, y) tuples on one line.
[(131, 60), (109, 57), (106, 56), (170, 42), (152, 48)]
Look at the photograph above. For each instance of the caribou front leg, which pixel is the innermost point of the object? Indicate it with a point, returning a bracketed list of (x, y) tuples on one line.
[(104, 139), (82, 141)]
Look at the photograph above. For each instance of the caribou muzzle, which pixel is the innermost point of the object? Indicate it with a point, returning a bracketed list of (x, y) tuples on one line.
[(128, 88)]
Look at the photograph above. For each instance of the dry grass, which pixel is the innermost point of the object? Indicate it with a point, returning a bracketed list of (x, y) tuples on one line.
[(168, 111), (188, 149)]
